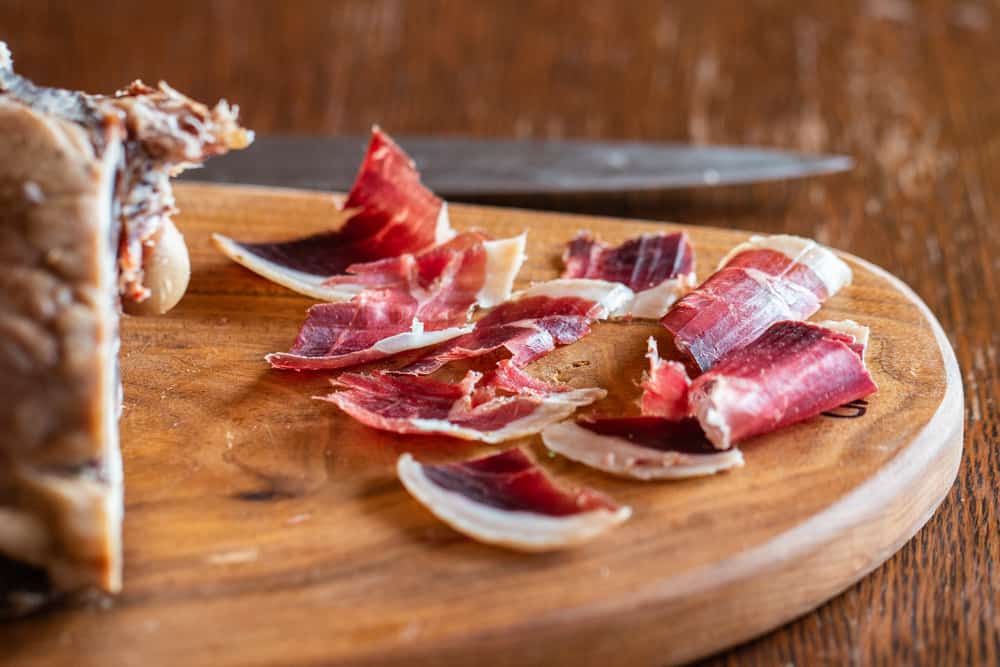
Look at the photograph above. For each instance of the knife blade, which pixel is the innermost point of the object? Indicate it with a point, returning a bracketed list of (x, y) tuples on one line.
[(465, 167)]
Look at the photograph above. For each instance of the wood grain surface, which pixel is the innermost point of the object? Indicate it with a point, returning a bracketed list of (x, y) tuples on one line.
[(255, 512), (907, 88)]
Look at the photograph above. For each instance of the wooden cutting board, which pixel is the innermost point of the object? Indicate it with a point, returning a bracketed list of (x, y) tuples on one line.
[(266, 528)]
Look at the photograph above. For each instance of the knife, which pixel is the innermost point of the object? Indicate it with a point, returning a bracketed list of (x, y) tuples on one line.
[(465, 167)]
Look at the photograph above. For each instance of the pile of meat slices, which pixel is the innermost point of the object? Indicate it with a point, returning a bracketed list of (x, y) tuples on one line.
[(395, 277)]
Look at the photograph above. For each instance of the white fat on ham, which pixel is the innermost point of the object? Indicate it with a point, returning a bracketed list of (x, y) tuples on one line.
[(308, 284), (612, 297), (443, 231), (523, 531), (653, 303), (831, 270), (504, 258), (618, 456), (549, 409)]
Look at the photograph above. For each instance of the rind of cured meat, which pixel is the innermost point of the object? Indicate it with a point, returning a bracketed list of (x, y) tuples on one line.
[(406, 404), (659, 268), (538, 319), (60, 467), (646, 448), (507, 500), (766, 280), (393, 214), (793, 372), (665, 387)]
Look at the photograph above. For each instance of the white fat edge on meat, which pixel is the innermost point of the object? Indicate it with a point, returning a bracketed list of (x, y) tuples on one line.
[(653, 303), (859, 332), (550, 409), (832, 271), (618, 456), (524, 531), (308, 284), (504, 258), (443, 231), (610, 296)]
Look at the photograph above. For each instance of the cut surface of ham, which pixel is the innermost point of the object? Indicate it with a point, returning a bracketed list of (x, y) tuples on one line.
[(658, 268), (538, 319), (765, 280), (393, 214), (507, 500), (795, 371), (469, 410), (665, 387), (646, 448)]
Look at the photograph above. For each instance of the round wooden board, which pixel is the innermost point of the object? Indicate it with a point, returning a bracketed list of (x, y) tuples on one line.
[(265, 528)]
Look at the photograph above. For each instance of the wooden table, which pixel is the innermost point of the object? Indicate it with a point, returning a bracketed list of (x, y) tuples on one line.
[(909, 89)]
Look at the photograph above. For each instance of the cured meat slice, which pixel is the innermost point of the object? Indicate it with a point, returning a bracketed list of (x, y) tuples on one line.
[(795, 371), (507, 500), (659, 268), (646, 448), (763, 281), (477, 270), (376, 324), (393, 214), (665, 387), (406, 303), (558, 312), (406, 404)]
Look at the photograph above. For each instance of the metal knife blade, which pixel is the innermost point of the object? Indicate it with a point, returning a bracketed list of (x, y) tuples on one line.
[(459, 166)]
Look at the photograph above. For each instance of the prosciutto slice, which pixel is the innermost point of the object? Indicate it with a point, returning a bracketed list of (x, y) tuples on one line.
[(645, 448), (795, 371), (405, 303), (766, 280), (665, 387), (538, 319), (658, 268), (392, 214), (469, 410), (507, 500)]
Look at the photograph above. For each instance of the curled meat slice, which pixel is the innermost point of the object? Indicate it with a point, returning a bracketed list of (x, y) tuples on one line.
[(665, 387), (795, 371), (765, 280), (658, 268), (646, 448), (392, 213), (507, 500)]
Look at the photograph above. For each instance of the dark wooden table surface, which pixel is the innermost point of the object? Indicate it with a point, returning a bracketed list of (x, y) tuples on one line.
[(910, 89)]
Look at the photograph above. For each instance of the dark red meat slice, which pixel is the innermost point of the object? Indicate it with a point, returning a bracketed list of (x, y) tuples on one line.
[(506, 499), (640, 263), (665, 387), (764, 281), (528, 328), (793, 372), (393, 214), (406, 404)]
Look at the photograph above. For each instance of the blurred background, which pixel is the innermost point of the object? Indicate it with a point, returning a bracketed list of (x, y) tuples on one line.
[(908, 88)]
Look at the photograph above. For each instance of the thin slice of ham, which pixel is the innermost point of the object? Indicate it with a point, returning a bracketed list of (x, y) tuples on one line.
[(393, 214), (645, 448), (658, 268), (766, 280), (532, 324), (469, 410), (405, 303), (665, 387), (507, 500), (793, 372)]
